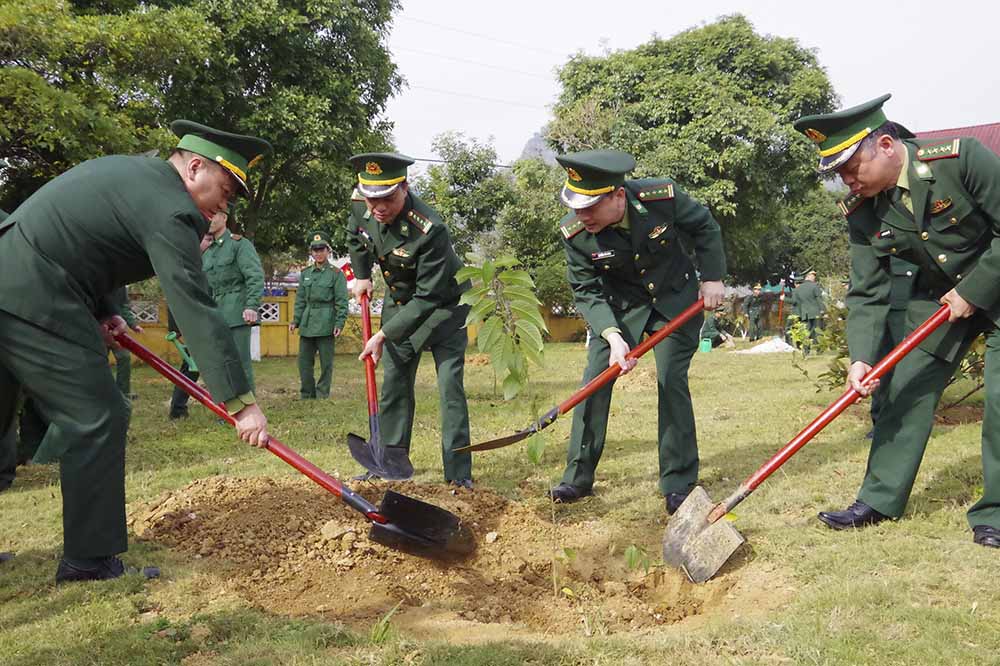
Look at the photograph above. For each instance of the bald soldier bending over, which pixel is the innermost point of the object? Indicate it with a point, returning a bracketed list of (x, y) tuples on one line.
[(101, 225)]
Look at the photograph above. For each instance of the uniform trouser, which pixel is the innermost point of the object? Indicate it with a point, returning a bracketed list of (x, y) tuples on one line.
[(20, 443), (813, 326), (755, 328), (895, 331), (308, 348), (398, 402), (76, 394), (123, 371), (179, 399), (241, 336), (678, 444), (905, 423)]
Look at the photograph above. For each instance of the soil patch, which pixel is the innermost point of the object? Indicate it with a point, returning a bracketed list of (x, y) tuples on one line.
[(959, 415), (289, 547)]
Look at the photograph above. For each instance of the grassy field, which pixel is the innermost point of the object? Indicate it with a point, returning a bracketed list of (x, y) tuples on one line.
[(915, 591)]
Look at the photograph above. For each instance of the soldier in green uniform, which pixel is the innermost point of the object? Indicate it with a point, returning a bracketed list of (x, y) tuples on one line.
[(630, 276), (808, 306), (936, 204), (320, 312), (101, 225), (123, 359), (753, 306), (392, 225)]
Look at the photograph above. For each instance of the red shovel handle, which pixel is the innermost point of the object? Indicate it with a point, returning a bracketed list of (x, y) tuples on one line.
[(911, 342), (273, 445), (366, 334), (613, 371)]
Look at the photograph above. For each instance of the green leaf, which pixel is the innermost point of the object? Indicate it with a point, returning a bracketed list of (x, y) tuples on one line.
[(536, 447), (528, 334), (530, 314), (511, 386), (507, 261), (473, 296), (533, 355), (520, 294), (518, 278), (634, 556), (474, 259), (489, 270), (468, 273), (489, 334)]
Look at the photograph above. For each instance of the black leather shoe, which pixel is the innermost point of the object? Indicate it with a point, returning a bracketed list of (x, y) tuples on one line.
[(987, 536), (564, 493), (674, 501), (104, 568), (461, 483), (179, 414), (858, 514), (6, 556)]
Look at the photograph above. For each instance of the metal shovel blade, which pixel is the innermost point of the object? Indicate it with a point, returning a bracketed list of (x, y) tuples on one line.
[(421, 529), (389, 463), (692, 544)]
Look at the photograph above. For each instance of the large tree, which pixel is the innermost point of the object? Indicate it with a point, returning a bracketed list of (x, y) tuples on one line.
[(712, 108)]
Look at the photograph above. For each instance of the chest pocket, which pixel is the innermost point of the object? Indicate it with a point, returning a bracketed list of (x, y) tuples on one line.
[(320, 288), (889, 241), (607, 261), (959, 227)]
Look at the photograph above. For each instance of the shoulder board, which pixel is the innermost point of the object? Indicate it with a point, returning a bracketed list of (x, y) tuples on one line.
[(657, 192), (356, 196), (850, 204), (571, 227), (236, 237), (938, 151), (419, 221)]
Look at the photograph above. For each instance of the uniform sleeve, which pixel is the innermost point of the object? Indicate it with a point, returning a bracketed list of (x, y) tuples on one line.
[(176, 259), (362, 259), (867, 298), (588, 290), (253, 274), (339, 299), (434, 277), (300, 300), (697, 222), (981, 178)]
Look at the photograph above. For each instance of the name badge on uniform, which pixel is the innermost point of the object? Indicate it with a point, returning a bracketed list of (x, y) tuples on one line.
[(885, 233), (365, 234), (658, 231), (606, 254), (940, 205), (401, 252)]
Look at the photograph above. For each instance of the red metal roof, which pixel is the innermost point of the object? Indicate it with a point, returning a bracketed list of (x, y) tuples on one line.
[(988, 135)]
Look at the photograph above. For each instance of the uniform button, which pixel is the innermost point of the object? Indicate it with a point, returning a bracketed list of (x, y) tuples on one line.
[(637, 257), (892, 250), (392, 287), (663, 242), (953, 220), (909, 273), (654, 299), (958, 277), (642, 271), (385, 273), (651, 286), (607, 268), (942, 258), (687, 276), (925, 236), (381, 259)]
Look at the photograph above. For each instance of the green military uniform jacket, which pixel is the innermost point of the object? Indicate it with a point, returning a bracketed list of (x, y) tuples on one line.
[(321, 301), (418, 263), (807, 300), (236, 276), (618, 280), (752, 305), (953, 236), (710, 329), (125, 305), (145, 222)]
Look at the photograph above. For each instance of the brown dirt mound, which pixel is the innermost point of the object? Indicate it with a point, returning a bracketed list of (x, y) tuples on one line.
[(290, 547)]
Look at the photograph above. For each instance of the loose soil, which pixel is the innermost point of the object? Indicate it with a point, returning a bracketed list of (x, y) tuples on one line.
[(289, 547)]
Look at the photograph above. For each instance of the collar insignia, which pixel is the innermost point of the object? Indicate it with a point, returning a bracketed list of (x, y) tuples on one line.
[(401, 252), (658, 230), (940, 205)]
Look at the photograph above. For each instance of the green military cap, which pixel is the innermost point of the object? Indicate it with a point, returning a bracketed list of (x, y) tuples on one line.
[(838, 135), (592, 174), (317, 239), (379, 174), (237, 153), (808, 271), (758, 286)]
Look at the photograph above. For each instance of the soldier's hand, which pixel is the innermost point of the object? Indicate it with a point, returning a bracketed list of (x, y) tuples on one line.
[(960, 308), (373, 347), (110, 327), (291, 327), (136, 328), (619, 349), (712, 293), (856, 373), (361, 287), (251, 424), (337, 332), (250, 316)]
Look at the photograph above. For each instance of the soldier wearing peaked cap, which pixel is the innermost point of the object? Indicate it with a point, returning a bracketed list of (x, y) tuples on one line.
[(393, 226), (320, 312), (103, 224), (807, 305), (753, 306), (935, 204), (630, 276)]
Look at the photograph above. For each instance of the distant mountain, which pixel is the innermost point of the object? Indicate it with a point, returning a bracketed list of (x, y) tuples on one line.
[(536, 147)]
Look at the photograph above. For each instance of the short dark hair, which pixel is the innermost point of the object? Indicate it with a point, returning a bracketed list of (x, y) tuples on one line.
[(888, 128)]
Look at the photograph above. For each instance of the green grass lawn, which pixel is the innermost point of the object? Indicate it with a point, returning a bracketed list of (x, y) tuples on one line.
[(916, 591)]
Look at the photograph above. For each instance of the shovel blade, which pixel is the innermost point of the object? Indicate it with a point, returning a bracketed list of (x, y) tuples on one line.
[(422, 529), (391, 464), (692, 544), (498, 443)]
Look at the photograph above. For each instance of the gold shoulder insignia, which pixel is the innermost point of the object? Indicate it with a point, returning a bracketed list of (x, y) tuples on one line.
[(419, 221), (939, 151), (236, 236), (657, 192), (571, 227), (356, 196), (850, 204)]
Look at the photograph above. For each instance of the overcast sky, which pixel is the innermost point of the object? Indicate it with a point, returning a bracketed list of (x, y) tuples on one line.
[(486, 69)]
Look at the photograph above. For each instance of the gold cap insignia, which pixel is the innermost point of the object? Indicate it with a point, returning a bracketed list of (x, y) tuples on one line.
[(373, 168), (254, 162), (317, 237), (573, 175), (815, 135)]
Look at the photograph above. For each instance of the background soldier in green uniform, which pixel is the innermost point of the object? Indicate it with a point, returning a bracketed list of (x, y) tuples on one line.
[(631, 276), (392, 225), (103, 224), (753, 307), (936, 204), (123, 359), (320, 312), (807, 305)]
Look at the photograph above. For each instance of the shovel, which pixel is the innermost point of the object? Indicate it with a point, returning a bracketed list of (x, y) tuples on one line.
[(698, 542), (592, 386), (391, 465), (402, 523)]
